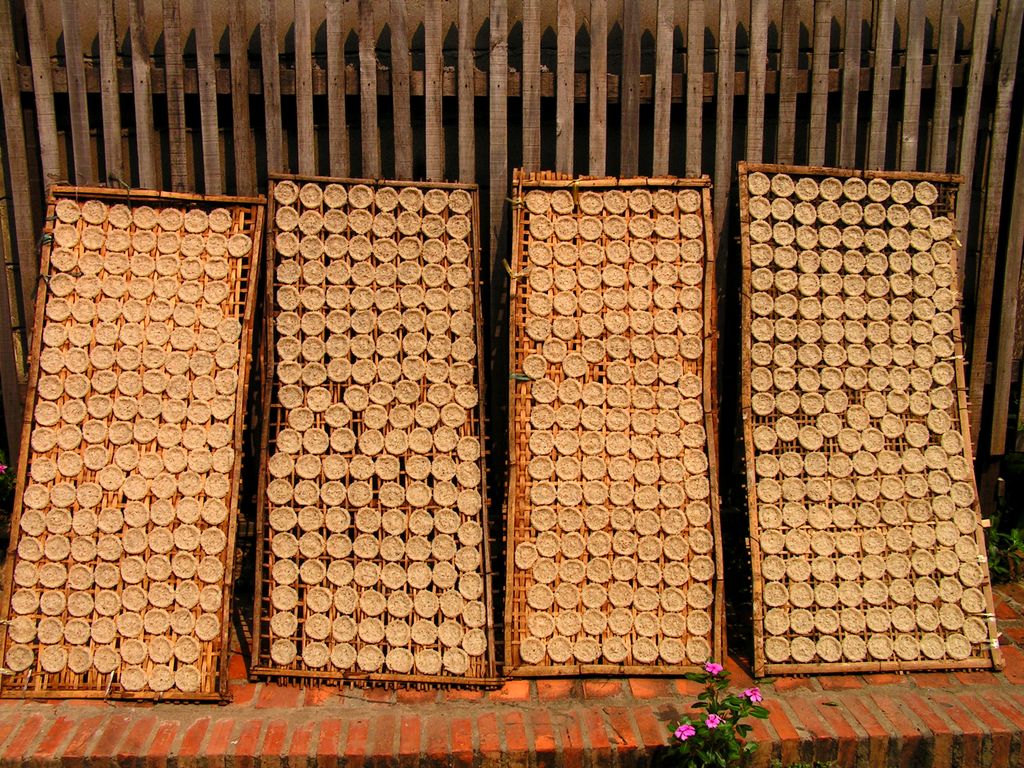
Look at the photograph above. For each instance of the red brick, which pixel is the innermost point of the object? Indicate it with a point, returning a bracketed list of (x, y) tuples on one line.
[(328, 744), (160, 749), (1003, 610), (246, 746), (1013, 630), (573, 748), (490, 741), (687, 688), (1014, 669), (739, 674), (23, 737), (597, 733), (877, 733), (763, 736), (462, 694), (220, 737), (319, 695), (192, 741), (543, 734), (1009, 713), (437, 737), (74, 753), (355, 745), (131, 750), (824, 740), (274, 740), (279, 696), (1000, 732), (783, 684), (379, 695), (601, 689), (653, 732), (789, 738), (840, 682), (649, 688), (105, 748), (941, 733), (548, 690), (622, 731), (846, 734), (237, 668), (462, 742), (933, 680), (298, 748), (909, 735), (517, 747), (383, 728), (884, 678), (512, 690), (244, 694), (52, 740), (409, 730), (416, 696), (976, 677), (1013, 590)]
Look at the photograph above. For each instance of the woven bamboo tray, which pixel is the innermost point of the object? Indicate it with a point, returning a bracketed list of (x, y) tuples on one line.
[(481, 668), (528, 623), (246, 217), (877, 576)]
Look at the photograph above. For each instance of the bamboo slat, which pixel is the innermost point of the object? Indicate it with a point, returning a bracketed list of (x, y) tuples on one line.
[(466, 76), (764, 523), (789, 66), (984, 294), (629, 93), (145, 138), (724, 117), (369, 139), (109, 92), (401, 65), (756, 80), (433, 72), (213, 178), (598, 91), (46, 117), (531, 84), (85, 169), (271, 85), (174, 76), (565, 124), (912, 85), (939, 149), (498, 133), (851, 84), (305, 136), (818, 131), (878, 133), (664, 42), (694, 86), (337, 125), (245, 162)]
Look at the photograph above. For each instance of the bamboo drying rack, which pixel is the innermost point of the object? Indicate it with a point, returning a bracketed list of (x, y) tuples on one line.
[(517, 500), (213, 659), (482, 672), (948, 185)]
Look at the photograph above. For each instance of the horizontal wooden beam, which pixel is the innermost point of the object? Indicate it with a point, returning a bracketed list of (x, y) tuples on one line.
[(547, 82)]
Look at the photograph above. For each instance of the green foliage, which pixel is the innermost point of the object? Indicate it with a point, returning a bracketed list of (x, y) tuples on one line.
[(714, 735), (1005, 555)]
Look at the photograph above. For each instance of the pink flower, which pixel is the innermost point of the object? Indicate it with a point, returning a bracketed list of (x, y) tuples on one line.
[(712, 668), (754, 694), (3, 468), (685, 731), (713, 721)]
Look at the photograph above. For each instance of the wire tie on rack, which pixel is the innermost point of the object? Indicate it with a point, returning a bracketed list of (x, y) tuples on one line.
[(994, 643), (110, 682), (45, 239), (6, 671), (515, 202), (519, 377)]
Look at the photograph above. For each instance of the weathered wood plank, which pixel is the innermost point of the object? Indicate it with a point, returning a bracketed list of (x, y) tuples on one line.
[(305, 135), (878, 131), (17, 187), (369, 138), (993, 212), (819, 82), (498, 133), (466, 93), (851, 84), (938, 156), (337, 125), (110, 98), (401, 65), (565, 99), (968, 150), (694, 86), (1009, 309), (756, 80), (42, 82), (85, 169), (271, 85), (434, 69), (663, 87), (789, 63), (912, 85), (531, 85), (213, 177), (174, 76), (598, 86), (723, 118), (11, 373), (145, 135), (245, 162)]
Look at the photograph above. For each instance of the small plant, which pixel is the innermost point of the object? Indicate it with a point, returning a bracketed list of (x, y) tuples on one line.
[(1006, 555), (6, 477), (714, 735)]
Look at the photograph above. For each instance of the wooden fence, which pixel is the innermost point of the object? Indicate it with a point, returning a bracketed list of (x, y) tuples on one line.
[(210, 97)]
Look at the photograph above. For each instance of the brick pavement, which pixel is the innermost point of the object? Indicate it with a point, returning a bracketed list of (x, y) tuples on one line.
[(933, 719)]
